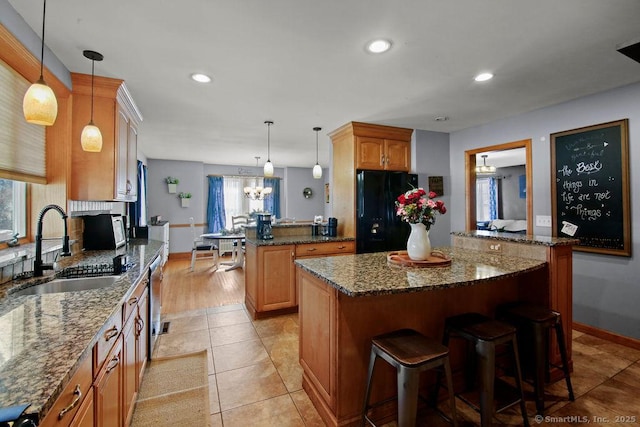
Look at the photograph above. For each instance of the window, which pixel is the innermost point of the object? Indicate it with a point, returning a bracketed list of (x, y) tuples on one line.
[(486, 199), (235, 202), (13, 209)]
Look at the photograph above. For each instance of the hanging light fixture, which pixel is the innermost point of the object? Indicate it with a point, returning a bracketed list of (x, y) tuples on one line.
[(485, 169), (268, 167), (317, 169), (39, 104), (257, 193), (91, 138)]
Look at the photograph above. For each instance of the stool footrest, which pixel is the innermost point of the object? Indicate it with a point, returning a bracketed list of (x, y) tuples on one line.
[(505, 396)]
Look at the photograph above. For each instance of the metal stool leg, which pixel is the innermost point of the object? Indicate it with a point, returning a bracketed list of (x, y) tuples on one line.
[(408, 382), (563, 355), (487, 364), (372, 364), (540, 358), (452, 398), (516, 361)]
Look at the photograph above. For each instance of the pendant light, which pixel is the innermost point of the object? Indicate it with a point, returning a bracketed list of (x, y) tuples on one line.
[(484, 169), (39, 104), (317, 169), (268, 167), (91, 138)]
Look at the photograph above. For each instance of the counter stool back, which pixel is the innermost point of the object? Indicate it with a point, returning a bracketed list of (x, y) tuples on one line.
[(410, 353), (535, 321), (485, 334)]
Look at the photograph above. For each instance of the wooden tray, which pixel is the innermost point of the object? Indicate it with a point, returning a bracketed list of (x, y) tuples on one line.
[(436, 259)]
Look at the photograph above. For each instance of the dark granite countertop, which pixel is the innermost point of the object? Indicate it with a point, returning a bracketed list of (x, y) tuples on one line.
[(297, 240), (45, 337), (370, 274), (518, 238)]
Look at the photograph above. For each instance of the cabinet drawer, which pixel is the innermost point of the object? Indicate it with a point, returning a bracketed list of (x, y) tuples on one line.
[(131, 303), (108, 337), (67, 404), (328, 248)]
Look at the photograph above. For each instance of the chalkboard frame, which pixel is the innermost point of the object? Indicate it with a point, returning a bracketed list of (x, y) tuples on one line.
[(624, 203)]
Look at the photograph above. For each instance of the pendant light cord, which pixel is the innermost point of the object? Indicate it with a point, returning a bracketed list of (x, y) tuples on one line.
[(44, 13), (316, 147), (268, 142), (93, 64)]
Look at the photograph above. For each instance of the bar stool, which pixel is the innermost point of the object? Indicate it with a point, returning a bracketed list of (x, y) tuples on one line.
[(537, 321), (410, 353), (485, 334)]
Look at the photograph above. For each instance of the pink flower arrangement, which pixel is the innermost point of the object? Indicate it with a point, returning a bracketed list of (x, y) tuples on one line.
[(416, 206)]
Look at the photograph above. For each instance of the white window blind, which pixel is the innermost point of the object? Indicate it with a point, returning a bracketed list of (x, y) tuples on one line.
[(22, 144)]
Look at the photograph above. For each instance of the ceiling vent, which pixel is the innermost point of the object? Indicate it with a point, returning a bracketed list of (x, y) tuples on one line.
[(631, 49)]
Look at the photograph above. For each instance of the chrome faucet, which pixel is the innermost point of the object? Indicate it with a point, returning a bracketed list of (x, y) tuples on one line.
[(38, 265)]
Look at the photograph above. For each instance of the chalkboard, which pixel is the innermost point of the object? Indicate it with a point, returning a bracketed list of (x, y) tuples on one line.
[(590, 187)]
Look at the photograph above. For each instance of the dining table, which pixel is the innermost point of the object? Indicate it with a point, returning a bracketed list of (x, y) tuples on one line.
[(237, 255)]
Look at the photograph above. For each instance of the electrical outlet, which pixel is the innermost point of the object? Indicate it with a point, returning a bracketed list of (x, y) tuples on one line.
[(543, 220), (494, 247)]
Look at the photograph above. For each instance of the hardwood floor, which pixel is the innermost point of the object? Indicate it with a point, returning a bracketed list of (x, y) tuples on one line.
[(205, 287)]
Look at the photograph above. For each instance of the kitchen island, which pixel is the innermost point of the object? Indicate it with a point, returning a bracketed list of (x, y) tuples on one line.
[(345, 301), (48, 339)]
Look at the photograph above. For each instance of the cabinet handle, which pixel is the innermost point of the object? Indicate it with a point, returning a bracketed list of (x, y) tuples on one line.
[(133, 300), (77, 395), (382, 160), (128, 187), (341, 247), (111, 333), (311, 249), (114, 362), (140, 324)]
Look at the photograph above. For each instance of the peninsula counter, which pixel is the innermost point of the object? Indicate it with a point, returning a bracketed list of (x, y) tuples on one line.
[(345, 301)]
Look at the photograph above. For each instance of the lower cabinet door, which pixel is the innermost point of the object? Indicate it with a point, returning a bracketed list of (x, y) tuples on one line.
[(108, 389), (84, 417), (129, 367)]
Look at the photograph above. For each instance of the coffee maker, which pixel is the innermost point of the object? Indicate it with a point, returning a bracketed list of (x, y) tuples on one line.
[(263, 224)]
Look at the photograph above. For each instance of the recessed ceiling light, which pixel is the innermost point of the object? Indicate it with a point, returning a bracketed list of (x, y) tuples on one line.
[(483, 77), (379, 46), (201, 78)]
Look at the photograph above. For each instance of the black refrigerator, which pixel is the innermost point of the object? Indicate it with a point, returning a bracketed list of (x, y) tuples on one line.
[(378, 228)]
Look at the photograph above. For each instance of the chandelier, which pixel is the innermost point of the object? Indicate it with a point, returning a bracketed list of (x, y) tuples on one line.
[(257, 193), (485, 169)]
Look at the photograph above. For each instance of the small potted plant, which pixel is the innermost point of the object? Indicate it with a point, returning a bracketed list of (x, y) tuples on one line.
[(185, 199), (172, 183)]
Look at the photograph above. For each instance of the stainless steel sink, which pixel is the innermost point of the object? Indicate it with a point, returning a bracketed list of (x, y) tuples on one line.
[(68, 285)]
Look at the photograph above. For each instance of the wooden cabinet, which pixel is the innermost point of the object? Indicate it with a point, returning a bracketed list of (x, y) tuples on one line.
[(161, 233), (108, 389), (135, 347), (270, 280), (85, 415), (270, 277), (70, 401), (363, 146), (383, 154), (110, 174)]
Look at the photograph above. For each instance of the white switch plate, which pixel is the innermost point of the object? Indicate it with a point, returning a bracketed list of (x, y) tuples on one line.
[(543, 220)]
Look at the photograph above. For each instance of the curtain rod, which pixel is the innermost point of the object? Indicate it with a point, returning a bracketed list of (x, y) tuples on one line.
[(244, 176)]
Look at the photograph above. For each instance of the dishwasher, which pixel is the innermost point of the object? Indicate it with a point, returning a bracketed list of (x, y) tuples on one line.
[(155, 302)]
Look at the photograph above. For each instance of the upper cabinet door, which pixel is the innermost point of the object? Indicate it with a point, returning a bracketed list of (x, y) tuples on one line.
[(369, 153), (397, 155), (121, 155)]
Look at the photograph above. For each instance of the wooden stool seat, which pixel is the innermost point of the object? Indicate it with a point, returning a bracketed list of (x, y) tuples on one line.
[(410, 348), (537, 320), (485, 334), (410, 353)]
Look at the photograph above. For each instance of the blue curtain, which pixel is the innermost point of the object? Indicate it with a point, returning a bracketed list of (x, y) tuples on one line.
[(138, 209), (493, 198), (215, 205), (272, 201)]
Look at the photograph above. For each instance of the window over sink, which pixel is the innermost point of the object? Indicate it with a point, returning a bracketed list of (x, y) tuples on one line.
[(13, 209)]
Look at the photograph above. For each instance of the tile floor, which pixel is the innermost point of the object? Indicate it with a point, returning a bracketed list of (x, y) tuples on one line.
[(255, 378)]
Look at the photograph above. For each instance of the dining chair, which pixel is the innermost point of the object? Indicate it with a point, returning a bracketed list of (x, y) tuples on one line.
[(202, 249), (238, 223)]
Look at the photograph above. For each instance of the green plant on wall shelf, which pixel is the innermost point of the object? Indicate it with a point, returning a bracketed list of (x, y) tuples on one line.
[(172, 183), (185, 199)]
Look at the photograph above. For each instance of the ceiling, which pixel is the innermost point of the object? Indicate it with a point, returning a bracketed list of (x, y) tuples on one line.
[(302, 63)]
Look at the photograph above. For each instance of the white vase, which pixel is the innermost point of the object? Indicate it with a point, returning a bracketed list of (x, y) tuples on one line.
[(185, 202), (172, 188), (418, 244)]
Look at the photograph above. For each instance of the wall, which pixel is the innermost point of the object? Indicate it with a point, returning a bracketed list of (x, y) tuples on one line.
[(193, 179), (295, 181), (605, 288), (511, 205), (430, 151)]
